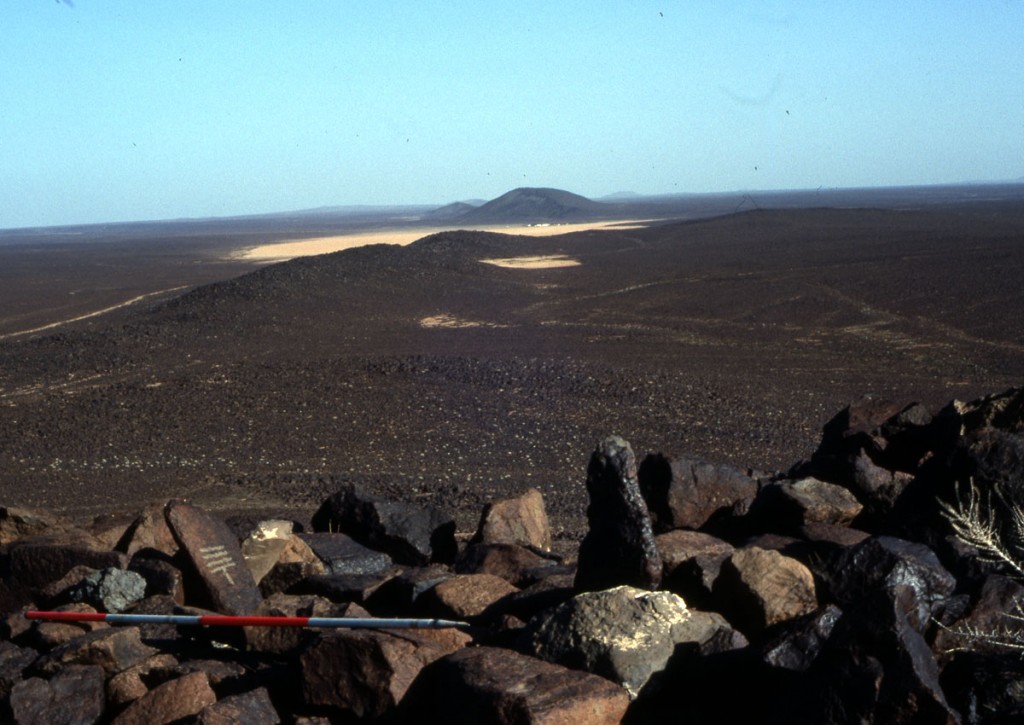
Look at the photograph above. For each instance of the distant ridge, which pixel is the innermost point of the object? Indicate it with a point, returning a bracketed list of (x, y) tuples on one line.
[(455, 210), (532, 205)]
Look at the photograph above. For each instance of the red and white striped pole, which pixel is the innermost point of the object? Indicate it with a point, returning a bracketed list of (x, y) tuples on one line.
[(219, 620)]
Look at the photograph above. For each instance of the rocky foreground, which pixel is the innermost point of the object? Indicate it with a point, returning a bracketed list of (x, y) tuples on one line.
[(700, 593)]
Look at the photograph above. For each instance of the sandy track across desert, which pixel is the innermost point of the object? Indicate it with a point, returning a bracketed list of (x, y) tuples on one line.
[(280, 251), (95, 313)]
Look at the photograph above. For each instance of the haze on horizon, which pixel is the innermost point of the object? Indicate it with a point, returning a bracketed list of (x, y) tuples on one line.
[(124, 112)]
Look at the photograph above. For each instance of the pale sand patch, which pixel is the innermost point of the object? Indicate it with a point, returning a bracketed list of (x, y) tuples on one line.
[(549, 261), (288, 249), (453, 323)]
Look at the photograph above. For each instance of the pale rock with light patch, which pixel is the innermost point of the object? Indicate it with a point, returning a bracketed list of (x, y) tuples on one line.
[(625, 634)]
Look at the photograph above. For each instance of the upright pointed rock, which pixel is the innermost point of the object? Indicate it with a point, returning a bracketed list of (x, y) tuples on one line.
[(619, 546)]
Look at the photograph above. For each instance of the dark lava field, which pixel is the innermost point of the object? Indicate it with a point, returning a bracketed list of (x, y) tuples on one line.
[(427, 375)]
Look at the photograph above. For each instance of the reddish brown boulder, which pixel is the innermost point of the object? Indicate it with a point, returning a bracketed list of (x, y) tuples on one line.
[(174, 700), (47, 635), (251, 708), (758, 588), (216, 557), (37, 561), (279, 640), (149, 531), (364, 673), (521, 520), (124, 687), (465, 596), (513, 563), (73, 695), (115, 649), (499, 686), (296, 562)]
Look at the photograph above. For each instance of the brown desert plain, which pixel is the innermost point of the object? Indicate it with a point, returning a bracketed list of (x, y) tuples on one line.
[(148, 361)]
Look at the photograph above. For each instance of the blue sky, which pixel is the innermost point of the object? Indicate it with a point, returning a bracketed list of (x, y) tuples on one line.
[(114, 111)]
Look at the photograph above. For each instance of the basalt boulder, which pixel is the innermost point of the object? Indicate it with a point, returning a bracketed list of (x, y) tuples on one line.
[(619, 547)]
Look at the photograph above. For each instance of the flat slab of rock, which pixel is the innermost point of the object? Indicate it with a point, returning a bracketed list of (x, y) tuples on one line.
[(512, 562), (465, 596), (522, 520), (619, 547), (344, 555), (216, 557), (499, 686), (251, 708)]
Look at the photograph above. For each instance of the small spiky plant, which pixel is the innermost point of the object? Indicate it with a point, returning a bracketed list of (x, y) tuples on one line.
[(977, 522)]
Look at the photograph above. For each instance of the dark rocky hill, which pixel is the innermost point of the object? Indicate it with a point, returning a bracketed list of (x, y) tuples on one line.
[(530, 206)]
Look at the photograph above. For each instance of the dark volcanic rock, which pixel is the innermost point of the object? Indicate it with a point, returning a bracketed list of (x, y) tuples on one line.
[(38, 561), (797, 645), (74, 695), (411, 535), (13, 660), (691, 561), (1004, 411), (992, 457), (493, 685), (619, 546), (399, 594), (215, 555), (885, 564), (877, 667), (160, 574), (344, 555), (685, 493)]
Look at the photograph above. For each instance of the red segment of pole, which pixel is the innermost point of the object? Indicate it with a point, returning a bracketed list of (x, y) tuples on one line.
[(216, 620), (67, 616)]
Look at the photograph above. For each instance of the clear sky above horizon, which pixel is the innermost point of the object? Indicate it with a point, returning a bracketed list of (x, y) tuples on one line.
[(119, 111)]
